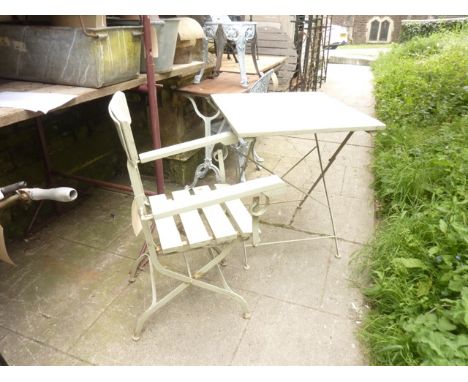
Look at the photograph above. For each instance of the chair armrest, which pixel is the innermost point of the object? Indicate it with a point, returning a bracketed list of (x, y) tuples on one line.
[(220, 195), (226, 138)]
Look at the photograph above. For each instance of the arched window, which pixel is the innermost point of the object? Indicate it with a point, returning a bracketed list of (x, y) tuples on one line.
[(379, 29), (374, 30), (384, 27)]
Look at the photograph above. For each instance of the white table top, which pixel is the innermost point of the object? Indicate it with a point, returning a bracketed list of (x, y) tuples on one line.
[(286, 113)]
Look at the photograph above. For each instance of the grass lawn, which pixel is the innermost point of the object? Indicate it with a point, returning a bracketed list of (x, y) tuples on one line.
[(417, 265)]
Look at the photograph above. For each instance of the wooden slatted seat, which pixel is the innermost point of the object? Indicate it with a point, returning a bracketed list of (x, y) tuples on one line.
[(212, 217)]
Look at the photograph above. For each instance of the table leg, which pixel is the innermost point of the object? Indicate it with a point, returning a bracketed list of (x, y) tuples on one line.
[(207, 165), (330, 162), (321, 177), (240, 47), (326, 195), (220, 43), (47, 171), (253, 47), (199, 76)]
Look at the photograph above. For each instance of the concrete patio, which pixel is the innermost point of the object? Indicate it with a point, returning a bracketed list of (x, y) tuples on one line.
[(68, 302), (356, 56)]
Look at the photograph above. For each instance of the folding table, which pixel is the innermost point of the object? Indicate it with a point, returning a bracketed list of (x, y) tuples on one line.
[(255, 115)]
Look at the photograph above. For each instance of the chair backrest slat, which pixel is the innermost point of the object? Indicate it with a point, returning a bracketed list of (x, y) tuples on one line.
[(118, 110)]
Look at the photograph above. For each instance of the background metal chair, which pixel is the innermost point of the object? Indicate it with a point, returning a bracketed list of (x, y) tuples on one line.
[(260, 86), (227, 217)]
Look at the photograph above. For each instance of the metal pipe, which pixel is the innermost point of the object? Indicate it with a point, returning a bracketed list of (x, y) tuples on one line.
[(144, 88), (100, 183), (153, 102)]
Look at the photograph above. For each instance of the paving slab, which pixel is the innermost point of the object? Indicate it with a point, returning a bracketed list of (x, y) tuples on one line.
[(197, 328), (293, 272), (100, 220), (341, 296), (283, 334), (21, 351), (3, 332), (56, 293), (352, 85), (354, 218)]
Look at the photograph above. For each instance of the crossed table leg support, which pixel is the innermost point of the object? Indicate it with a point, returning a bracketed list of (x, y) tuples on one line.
[(307, 194)]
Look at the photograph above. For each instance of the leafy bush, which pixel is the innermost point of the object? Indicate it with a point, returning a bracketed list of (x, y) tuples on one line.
[(418, 261), (425, 28), (422, 82)]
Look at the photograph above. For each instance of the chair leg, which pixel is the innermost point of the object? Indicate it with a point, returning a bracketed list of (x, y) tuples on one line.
[(246, 264), (154, 307), (135, 265), (186, 282), (257, 158)]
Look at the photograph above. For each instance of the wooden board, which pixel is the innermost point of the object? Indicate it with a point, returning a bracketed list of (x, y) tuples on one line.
[(168, 233), (265, 63), (224, 83), (193, 225), (271, 41), (217, 219), (239, 213), (9, 116), (286, 113), (252, 187)]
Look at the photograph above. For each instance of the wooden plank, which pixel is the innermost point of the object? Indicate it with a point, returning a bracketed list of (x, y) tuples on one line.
[(262, 36), (237, 191), (217, 219), (12, 115), (269, 30), (181, 70), (193, 225), (224, 83), (273, 44), (239, 213), (277, 52), (9, 116), (226, 138), (264, 63), (168, 233)]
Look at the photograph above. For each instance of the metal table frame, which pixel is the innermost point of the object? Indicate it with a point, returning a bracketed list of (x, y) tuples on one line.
[(331, 116), (239, 32), (204, 93)]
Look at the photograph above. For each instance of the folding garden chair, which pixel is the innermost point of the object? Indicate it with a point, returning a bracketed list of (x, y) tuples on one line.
[(180, 221)]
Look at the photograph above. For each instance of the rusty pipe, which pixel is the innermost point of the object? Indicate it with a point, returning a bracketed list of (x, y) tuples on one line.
[(153, 102)]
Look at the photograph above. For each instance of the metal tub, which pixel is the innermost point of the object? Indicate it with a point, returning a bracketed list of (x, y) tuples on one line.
[(70, 56)]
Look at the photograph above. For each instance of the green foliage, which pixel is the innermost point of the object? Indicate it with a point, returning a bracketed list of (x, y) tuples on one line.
[(422, 82), (428, 27), (418, 261)]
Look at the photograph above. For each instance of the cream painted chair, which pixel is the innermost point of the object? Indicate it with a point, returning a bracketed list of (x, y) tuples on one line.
[(227, 219)]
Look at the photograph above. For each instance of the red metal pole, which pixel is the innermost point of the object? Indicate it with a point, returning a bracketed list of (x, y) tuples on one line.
[(153, 102)]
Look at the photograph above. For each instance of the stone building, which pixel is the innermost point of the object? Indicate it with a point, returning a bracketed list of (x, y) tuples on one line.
[(367, 29)]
